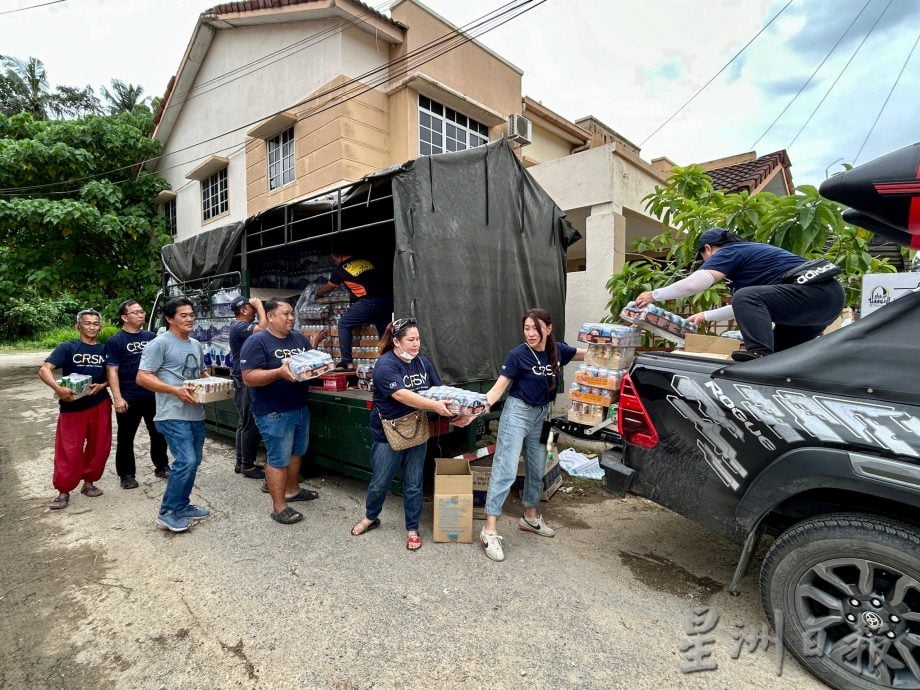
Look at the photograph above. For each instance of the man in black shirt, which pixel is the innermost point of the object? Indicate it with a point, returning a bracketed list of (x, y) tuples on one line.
[(132, 403), (372, 300)]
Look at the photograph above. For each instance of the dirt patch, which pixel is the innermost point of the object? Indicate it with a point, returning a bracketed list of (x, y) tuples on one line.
[(666, 576), (36, 600)]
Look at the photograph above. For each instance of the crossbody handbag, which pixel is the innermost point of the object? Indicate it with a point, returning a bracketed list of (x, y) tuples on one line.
[(811, 273), (408, 431)]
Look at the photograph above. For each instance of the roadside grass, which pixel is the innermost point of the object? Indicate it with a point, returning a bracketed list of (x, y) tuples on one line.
[(50, 339)]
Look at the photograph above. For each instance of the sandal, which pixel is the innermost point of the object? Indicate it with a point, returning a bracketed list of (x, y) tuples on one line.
[(288, 516), (91, 491), (303, 495), (364, 529), (60, 502), (413, 542)]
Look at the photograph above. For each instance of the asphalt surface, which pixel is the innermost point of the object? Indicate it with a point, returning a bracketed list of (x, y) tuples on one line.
[(96, 597)]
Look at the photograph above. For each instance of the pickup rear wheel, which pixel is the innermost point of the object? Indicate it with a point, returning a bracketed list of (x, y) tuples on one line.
[(848, 586)]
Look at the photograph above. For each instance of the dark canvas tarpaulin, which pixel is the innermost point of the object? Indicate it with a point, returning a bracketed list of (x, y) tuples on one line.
[(478, 242), (206, 254)]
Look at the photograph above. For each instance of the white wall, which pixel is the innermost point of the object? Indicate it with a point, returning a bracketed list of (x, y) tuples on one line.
[(613, 188), (239, 104)]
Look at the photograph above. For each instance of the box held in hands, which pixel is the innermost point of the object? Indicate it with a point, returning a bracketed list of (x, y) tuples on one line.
[(211, 389)]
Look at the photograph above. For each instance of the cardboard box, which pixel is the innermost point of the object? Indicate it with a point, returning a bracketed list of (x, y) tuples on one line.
[(211, 389), (879, 289), (710, 346), (482, 472), (453, 501)]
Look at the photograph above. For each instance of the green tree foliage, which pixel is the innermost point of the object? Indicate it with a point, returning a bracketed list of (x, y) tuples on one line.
[(124, 97), (67, 224), (24, 87), (804, 223), (73, 102)]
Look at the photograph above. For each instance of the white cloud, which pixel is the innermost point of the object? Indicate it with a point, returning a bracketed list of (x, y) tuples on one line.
[(629, 64)]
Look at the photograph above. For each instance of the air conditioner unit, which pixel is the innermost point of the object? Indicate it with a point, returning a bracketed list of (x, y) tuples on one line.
[(519, 129)]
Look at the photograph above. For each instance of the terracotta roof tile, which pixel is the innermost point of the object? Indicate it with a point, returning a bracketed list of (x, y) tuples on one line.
[(253, 5), (750, 175)]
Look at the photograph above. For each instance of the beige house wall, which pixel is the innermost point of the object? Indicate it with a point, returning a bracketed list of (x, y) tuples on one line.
[(545, 146), (461, 71), (334, 143)]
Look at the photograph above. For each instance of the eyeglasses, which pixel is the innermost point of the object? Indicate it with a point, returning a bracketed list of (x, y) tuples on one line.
[(136, 312), (402, 324)]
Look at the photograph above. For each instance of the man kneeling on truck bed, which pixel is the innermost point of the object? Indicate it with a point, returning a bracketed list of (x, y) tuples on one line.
[(768, 285), (371, 298)]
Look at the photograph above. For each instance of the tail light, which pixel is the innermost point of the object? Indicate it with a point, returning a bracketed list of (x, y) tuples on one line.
[(633, 422)]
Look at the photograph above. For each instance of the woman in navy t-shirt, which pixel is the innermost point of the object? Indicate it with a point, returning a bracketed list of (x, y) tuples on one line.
[(399, 374), (532, 370)]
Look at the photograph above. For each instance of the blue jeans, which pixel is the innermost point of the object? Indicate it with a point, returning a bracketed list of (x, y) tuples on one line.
[(186, 443), (247, 433), (519, 427), (386, 462), (285, 434), (375, 310)]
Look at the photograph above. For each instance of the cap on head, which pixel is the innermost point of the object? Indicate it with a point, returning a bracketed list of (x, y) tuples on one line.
[(713, 237), (238, 303)]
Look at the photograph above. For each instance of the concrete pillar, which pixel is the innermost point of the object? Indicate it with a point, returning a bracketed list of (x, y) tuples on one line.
[(586, 291)]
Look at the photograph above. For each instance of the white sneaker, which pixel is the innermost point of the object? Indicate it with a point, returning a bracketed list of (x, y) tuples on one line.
[(536, 526), (493, 545)]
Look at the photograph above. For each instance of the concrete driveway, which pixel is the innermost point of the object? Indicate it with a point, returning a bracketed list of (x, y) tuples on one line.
[(95, 596)]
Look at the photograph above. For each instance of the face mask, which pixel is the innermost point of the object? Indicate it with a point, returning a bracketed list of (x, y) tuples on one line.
[(404, 356)]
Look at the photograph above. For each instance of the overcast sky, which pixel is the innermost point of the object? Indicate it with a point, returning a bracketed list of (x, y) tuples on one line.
[(630, 64)]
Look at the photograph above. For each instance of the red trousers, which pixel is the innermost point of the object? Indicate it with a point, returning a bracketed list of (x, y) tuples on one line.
[(81, 446)]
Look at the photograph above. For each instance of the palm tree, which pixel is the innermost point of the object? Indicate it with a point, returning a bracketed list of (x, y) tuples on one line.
[(24, 87), (123, 97)]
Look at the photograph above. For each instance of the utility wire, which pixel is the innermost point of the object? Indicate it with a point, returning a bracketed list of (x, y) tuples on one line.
[(505, 16), (808, 81), (887, 98), (32, 7), (453, 35), (279, 54), (842, 71), (724, 67)]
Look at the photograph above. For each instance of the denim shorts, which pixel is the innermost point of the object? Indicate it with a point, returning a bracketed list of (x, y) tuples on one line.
[(285, 434)]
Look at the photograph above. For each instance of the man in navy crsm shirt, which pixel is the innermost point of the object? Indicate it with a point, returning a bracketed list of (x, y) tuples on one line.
[(771, 313), (244, 325), (279, 405), (84, 430), (132, 403)]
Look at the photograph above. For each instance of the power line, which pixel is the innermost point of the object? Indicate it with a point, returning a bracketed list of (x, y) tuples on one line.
[(724, 67), (891, 91), (304, 43), (452, 35), (505, 15), (808, 81), (32, 7), (842, 71)]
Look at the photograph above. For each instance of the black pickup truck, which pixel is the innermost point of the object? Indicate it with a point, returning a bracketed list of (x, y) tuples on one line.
[(818, 447)]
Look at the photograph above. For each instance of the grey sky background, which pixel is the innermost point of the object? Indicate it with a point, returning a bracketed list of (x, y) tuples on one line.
[(630, 64)]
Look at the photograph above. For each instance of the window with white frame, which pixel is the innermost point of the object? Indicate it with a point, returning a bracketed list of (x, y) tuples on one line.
[(442, 129), (281, 159), (169, 210), (214, 199)]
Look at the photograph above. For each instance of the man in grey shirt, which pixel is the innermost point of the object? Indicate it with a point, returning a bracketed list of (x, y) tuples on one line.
[(168, 361)]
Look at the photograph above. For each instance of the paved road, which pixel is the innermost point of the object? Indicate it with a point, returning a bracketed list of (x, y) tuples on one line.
[(96, 597)]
